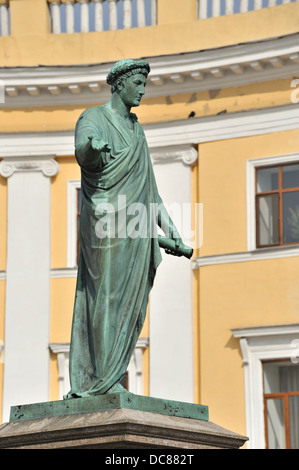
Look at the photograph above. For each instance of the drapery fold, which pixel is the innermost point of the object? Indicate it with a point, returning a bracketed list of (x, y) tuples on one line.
[(116, 268)]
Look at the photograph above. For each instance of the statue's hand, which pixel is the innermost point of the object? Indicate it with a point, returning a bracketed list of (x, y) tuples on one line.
[(175, 236), (98, 144)]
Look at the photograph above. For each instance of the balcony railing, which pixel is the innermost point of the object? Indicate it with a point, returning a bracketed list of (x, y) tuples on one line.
[(212, 8), (100, 15), (69, 16)]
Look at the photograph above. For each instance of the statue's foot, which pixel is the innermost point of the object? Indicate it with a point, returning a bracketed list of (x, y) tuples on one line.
[(117, 388)]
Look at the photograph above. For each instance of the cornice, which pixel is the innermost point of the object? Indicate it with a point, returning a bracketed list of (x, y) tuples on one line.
[(230, 66), (57, 348), (161, 135), (261, 331), (246, 256)]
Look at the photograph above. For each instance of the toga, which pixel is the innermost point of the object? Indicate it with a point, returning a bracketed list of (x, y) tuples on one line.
[(116, 270)]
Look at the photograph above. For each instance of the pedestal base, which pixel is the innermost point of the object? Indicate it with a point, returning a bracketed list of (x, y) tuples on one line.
[(116, 424)]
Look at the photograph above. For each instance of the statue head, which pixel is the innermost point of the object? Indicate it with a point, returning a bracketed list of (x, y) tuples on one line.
[(124, 69)]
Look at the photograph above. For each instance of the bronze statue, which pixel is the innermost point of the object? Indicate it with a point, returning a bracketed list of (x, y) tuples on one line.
[(119, 251)]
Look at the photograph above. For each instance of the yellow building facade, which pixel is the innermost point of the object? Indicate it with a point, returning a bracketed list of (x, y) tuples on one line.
[(221, 119)]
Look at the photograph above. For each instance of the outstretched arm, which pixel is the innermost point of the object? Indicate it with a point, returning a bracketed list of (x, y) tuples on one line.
[(90, 148)]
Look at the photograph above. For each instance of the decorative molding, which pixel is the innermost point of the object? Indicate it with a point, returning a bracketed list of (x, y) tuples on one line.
[(170, 134), (185, 153), (230, 66), (36, 144), (63, 273), (258, 344), (265, 331), (2, 275), (59, 347), (222, 127), (47, 165), (243, 257)]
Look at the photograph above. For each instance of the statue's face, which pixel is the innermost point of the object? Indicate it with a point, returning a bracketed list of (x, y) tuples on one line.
[(133, 90)]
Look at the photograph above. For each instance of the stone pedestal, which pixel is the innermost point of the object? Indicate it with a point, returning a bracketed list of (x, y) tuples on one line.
[(114, 421)]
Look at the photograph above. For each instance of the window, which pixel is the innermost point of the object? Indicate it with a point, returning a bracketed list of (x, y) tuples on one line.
[(281, 405), (271, 367), (277, 205)]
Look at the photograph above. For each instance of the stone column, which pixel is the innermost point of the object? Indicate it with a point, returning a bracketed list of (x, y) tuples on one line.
[(4, 18), (27, 309), (171, 301)]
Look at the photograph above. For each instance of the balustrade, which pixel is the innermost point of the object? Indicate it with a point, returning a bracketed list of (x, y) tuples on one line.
[(69, 16), (212, 8), (98, 15)]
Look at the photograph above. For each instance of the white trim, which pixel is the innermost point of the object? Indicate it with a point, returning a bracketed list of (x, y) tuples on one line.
[(222, 127), (63, 273), (45, 163), (190, 131), (245, 256), (72, 186), (36, 144), (184, 153), (2, 275), (251, 165), (259, 344), (217, 68)]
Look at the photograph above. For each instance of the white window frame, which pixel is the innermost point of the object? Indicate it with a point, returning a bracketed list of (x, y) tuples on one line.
[(260, 344), (252, 165), (72, 187)]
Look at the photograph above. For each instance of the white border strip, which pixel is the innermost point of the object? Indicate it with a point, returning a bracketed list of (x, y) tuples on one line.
[(257, 255), (266, 254), (63, 273), (187, 131)]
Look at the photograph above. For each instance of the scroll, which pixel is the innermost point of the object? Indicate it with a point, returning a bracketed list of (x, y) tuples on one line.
[(169, 244)]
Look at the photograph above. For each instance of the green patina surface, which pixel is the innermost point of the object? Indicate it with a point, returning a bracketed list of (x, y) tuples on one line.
[(119, 250), (109, 401)]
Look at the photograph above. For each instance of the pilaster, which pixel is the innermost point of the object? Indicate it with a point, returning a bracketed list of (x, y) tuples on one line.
[(170, 307), (27, 309)]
